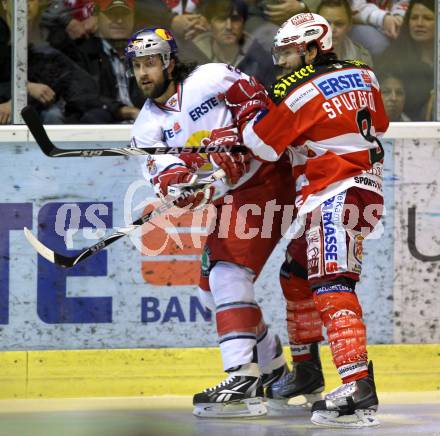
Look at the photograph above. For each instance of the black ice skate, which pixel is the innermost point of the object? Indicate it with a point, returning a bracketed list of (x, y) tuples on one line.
[(240, 395), (299, 388), (277, 368), (350, 405)]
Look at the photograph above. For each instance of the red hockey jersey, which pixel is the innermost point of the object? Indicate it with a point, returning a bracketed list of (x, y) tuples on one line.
[(330, 118)]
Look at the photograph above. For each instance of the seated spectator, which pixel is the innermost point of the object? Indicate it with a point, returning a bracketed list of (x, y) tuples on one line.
[(186, 22), (153, 13), (412, 56), (228, 43), (393, 95), (338, 14), (5, 92), (266, 16), (279, 11), (102, 56), (68, 20), (57, 88), (378, 22)]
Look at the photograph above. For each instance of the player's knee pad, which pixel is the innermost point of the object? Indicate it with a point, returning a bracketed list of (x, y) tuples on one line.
[(230, 282), (237, 312), (239, 318), (341, 314), (206, 298), (304, 324)]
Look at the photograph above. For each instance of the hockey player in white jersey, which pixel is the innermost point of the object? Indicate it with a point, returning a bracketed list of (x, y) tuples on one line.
[(184, 107)]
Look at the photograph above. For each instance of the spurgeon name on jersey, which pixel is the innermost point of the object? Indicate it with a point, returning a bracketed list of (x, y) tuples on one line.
[(329, 117), (187, 118)]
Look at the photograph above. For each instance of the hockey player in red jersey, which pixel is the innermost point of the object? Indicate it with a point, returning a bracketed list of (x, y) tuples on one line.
[(183, 108), (329, 114)]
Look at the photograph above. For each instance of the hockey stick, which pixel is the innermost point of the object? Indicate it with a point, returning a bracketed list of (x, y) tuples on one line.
[(69, 261), (32, 120)]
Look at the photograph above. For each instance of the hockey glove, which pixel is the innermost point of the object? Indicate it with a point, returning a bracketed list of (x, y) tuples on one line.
[(194, 161), (177, 183), (235, 165), (245, 98)]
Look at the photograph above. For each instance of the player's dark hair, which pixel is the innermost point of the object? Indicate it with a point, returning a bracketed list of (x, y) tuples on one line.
[(182, 69), (322, 58)]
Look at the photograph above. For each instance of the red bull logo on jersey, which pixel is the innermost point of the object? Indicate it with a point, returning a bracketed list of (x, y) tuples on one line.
[(340, 82)]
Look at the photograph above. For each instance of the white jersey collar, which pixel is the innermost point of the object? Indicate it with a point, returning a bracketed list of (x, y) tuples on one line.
[(174, 103)]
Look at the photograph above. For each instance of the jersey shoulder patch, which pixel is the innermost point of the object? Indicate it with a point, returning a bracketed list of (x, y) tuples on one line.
[(287, 83), (355, 63)]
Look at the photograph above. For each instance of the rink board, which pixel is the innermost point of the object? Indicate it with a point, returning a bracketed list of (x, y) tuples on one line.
[(92, 373), (124, 297)]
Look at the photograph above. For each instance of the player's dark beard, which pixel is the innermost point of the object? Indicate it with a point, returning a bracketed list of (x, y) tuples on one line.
[(160, 88)]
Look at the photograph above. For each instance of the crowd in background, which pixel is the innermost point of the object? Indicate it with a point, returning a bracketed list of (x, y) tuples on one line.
[(77, 72)]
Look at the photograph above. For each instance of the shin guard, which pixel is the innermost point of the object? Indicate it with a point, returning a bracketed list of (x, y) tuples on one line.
[(341, 314), (304, 324)]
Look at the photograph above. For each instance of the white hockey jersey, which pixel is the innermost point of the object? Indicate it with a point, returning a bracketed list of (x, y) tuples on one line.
[(187, 118)]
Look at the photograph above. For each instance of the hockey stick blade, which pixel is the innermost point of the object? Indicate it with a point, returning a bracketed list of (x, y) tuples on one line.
[(32, 120), (70, 261)]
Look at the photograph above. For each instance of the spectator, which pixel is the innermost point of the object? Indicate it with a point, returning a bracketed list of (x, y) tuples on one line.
[(278, 11), (228, 43), (5, 48), (393, 95), (338, 13), (186, 22), (378, 22), (412, 56), (179, 15), (68, 20), (57, 88), (102, 56), (265, 16)]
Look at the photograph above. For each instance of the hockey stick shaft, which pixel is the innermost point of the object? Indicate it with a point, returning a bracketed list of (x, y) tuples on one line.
[(69, 261), (32, 120)]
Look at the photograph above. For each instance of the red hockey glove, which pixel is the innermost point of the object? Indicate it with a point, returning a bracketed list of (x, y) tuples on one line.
[(235, 165), (178, 180), (245, 98), (193, 160)]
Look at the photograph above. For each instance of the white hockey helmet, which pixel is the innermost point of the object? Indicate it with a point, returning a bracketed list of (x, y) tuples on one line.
[(301, 30), (147, 42)]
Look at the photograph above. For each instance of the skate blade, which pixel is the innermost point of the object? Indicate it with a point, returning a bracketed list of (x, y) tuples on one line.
[(361, 418), (248, 408), (285, 406)]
